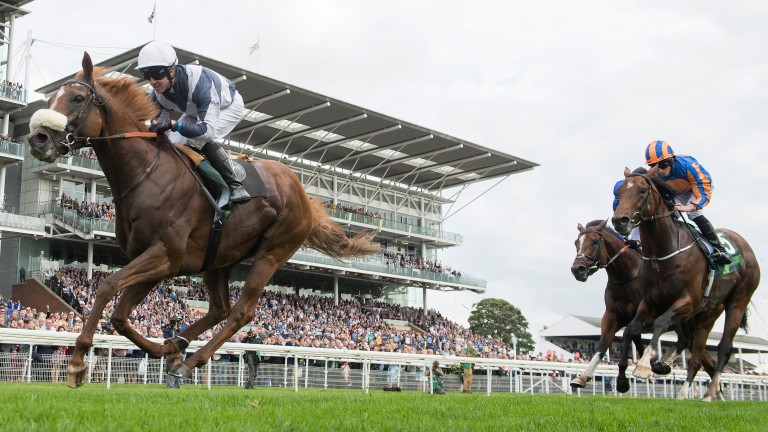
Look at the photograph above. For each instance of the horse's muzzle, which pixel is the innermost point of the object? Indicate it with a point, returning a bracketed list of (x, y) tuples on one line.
[(580, 272), (42, 144), (622, 224)]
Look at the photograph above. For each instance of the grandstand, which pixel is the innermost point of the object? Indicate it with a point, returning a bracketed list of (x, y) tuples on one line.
[(372, 170)]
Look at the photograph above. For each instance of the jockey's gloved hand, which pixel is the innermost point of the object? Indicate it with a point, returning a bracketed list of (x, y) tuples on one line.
[(163, 126)]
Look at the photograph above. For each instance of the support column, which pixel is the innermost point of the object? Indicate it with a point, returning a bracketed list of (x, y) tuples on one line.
[(93, 191), (2, 178), (741, 362), (89, 269), (336, 290), (424, 301)]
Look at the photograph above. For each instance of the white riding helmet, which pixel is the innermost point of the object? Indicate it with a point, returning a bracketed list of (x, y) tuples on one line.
[(157, 54)]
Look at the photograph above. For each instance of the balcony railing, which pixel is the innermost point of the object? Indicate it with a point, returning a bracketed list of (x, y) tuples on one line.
[(396, 226), (11, 148), (378, 264), (73, 161), (11, 217), (84, 224), (19, 94)]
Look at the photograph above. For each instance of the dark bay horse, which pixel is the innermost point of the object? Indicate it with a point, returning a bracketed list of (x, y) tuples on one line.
[(164, 220), (680, 285), (598, 246)]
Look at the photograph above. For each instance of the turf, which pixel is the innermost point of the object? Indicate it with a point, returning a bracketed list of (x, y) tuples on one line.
[(54, 407)]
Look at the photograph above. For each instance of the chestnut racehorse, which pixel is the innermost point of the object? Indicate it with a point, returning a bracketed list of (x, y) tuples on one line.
[(680, 289), (164, 219), (598, 246)]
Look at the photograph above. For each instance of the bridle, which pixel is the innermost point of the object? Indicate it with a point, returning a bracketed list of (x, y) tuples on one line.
[(595, 261), (73, 137), (637, 217), (641, 218)]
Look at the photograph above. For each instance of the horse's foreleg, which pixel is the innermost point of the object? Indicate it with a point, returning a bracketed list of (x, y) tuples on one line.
[(608, 330), (633, 330), (133, 273), (673, 315)]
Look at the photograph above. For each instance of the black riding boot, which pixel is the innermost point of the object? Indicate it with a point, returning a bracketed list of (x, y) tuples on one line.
[(719, 255), (221, 163)]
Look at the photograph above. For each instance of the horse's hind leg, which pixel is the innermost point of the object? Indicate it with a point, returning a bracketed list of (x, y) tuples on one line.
[(217, 283), (242, 312), (733, 317), (128, 301)]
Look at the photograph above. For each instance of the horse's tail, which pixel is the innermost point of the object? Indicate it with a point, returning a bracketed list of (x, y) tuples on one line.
[(327, 236), (743, 324)]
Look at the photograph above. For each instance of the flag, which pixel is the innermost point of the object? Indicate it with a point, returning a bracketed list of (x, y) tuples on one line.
[(253, 47), (152, 15)]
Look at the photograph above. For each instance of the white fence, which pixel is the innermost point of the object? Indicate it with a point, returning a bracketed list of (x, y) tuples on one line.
[(300, 368)]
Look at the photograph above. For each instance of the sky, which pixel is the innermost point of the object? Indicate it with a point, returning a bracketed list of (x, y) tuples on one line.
[(580, 88)]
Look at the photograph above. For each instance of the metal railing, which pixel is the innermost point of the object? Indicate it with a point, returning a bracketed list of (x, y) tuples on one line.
[(111, 362)]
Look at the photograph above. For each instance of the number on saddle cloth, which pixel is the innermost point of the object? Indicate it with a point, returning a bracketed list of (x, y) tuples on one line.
[(728, 245)]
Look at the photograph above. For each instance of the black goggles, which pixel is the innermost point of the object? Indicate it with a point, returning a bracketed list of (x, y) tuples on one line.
[(666, 163), (155, 73)]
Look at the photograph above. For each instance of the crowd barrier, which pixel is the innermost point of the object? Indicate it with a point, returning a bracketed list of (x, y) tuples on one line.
[(301, 368)]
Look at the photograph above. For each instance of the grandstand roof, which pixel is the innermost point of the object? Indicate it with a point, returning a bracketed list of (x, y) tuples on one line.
[(300, 126), (576, 326), (11, 7)]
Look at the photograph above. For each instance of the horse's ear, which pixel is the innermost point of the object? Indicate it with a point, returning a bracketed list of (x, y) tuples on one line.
[(87, 67), (627, 172), (653, 172), (580, 227), (602, 224)]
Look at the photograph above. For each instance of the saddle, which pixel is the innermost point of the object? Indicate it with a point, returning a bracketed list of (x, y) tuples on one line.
[(214, 185), (218, 191)]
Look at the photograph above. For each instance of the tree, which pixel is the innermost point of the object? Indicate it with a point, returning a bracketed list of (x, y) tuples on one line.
[(501, 320)]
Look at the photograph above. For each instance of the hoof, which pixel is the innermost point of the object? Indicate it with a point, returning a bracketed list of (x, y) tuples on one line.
[(642, 372), (720, 396), (622, 385), (181, 371), (76, 376), (172, 361), (661, 368), (579, 383), (179, 342), (707, 398)]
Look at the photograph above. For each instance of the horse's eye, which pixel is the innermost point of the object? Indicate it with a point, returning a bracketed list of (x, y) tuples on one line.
[(78, 99)]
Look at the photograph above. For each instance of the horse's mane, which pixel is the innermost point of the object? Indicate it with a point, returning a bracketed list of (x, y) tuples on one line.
[(124, 93), (667, 192), (606, 228)]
